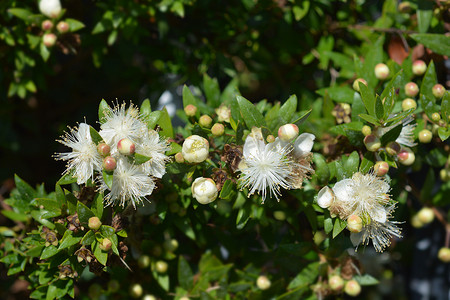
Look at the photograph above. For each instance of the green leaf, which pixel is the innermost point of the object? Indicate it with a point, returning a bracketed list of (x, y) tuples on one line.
[(242, 217), (299, 121), (357, 107), (288, 109), (428, 105), (212, 91), (328, 225), (88, 238), (370, 119), (367, 98), (103, 110), (428, 81), (100, 255), (49, 252), (188, 97), (110, 233), (424, 15), (342, 94), (227, 189), (97, 205), (45, 53), (339, 225), (68, 178), (84, 213), (185, 275), (108, 178), (373, 57), (95, 136), (391, 135), (41, 218), (166, 124), (306, 277), (15, 216), (389, 103), (445, 106), (436, 42), (250, 114), (21, 13), (444, 133), (397, 81), (352, 164), (51, 292), (379, 108), (74, 25), (365, 279), (68, 240), (140, 159), (321, 167)]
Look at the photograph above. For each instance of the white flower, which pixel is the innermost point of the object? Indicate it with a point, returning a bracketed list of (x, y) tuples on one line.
[(50, 8), (223, 113), (129, 184), (204, 190), (84, 158), (122, 123), (154, 147), (195, 149)]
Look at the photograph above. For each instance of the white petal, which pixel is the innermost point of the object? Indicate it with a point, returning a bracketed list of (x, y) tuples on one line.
[(356, 238), (325, 197), (303, 144), (253, 146), (379, 215), (343, 190)]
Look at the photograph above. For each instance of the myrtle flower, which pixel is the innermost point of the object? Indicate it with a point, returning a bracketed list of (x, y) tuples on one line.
[(366, 196), (274, 165), (130, 184), (84, 158), (122, 123), (154, 147), (50, 8)]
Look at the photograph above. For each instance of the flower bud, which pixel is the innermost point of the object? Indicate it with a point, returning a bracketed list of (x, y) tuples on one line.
[(438, 90), (393, 148), (372, 142), (190, 110), (179, 158), (270, 138), (106, 244), (195, 149), (103, 149), (204, 190), (381, 71), (354, 223), (218, 129), (411, 89), (205, 121), (352, 288), (126, 146), (50, 8), (444, 254), (94, 223), (136, 290), (435, 117), (419, 67), (404, 7), (223, 113), (288, 132), (381, 168), (426, 215), (161, 266), (170, 245), (49, 40), (325, 197), (415, 222), (109, 163), (409, 103), (406, 156), (425, 136), (263, 282), (366, 130), (144, 261), (47, 25), (445, 175), (62, 27), (356, 83), (149, 297), (336, 283)]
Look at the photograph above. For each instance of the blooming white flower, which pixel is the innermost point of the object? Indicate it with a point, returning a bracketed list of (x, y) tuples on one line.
[(195, 149), (154, 147), (223, 113), (130, 183), (84, 158), (204, 190), (50, 8), (122, 123)]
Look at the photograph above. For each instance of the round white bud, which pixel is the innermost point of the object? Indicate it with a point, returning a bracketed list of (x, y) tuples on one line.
[(288, 132), (195, 149), (204, 190), (50, 8)]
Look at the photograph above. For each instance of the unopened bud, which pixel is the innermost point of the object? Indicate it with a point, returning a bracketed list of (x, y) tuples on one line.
[(352, 288), (425, 136), (356, 83), (144, 261), (62, 27), (411, 89), (179, 158), (136, 290), (393, 148), (47, 25), (218, 129), (435, 117), (415, 222), (444, 254), (170, 245), (195, 149), (325, 197), (445, 175), (161, 266), (406, 156), (336, 283), (288, 132), (50, 8), (190, 110), (106, 244), (354, 223), (438, 90), (372, 142), (103, 149), (126, 146), (149, 297), (366, 130), (263, 282), (223, 113), (381, 71), (426, 215), (49, 40), (109, 163), (409, 103), (94, 223), (204, 190), (270, 138), (205, 121), (419, 67), (381, 168)]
